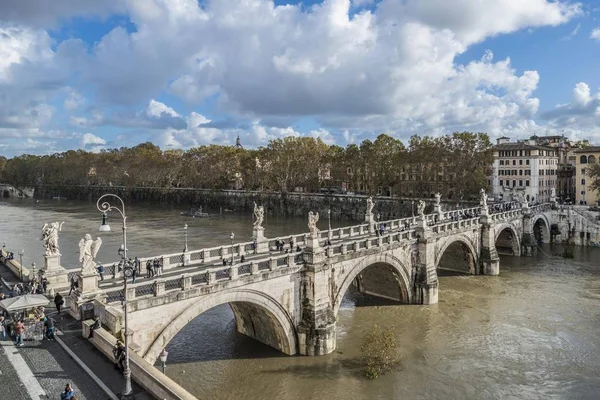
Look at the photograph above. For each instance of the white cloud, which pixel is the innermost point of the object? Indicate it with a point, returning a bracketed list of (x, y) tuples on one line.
[(73, 100), (595, 34), (356, 71)]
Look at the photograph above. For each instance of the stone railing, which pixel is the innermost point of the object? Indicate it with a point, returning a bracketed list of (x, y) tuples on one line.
[(458, 214), (369, 242), (505, 215), (452, 226), (205, 277)]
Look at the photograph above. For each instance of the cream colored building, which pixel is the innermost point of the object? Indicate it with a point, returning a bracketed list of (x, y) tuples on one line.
[(524, 167), (583, 158)]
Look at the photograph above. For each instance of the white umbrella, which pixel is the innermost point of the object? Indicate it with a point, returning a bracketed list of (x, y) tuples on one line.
[(24, 302)]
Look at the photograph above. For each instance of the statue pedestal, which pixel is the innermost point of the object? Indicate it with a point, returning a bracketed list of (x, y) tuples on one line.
[(313, 252), (370, 219), (80, 300), (422, 222), (437, 209), (262, 243), (57, 276)]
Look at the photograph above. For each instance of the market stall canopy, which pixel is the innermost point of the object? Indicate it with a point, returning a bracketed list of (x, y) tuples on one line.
[(24, 302)]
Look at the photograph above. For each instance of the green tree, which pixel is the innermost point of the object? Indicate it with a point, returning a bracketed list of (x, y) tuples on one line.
[(593, 173)]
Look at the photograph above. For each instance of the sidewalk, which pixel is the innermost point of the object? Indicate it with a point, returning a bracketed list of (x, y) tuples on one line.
[(46, 365)]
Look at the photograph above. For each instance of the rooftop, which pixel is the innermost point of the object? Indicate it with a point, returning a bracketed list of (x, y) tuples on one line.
[(590, 149), (522, 146)]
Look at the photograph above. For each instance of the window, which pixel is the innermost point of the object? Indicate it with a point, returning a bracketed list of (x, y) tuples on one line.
[(520, 153), (520, 183), (527, 183), (583, 160), (583, 192), (520, 162), (583, 171), (583, 181), (591, 160), (526, 162), (501, 162), (520, 172), (514, 162)]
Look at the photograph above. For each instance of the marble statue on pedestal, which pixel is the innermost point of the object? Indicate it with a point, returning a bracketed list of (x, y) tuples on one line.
[(552, 193), (370, 206), (313, 218), (483, 197), (259, 214), (50, 238), (438, 199), (421, 208), (88, 249)]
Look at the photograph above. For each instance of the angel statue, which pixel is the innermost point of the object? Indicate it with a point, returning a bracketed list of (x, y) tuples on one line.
[(370, 205), (438, 199), (313, 218), (421, 208), (88, 249), (259, 213), (483, 197), (50, 237)]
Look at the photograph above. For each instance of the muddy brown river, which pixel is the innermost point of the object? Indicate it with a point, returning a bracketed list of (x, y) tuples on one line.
[(531, 333)]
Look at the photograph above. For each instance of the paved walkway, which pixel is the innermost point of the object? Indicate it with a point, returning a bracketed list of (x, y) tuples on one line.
[(41, 368)]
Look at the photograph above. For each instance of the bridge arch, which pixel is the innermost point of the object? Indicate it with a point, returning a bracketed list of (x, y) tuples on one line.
[(401, 272), (469, 248), (273, 327), (515, 240), (542, 221)]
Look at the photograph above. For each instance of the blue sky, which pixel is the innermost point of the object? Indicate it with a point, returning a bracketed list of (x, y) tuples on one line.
[(184, 73)]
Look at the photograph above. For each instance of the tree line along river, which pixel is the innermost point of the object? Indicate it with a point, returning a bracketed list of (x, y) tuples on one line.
[(531, 333)]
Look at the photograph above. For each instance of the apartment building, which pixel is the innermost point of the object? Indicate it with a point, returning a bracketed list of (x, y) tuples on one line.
[(583, 158), (526, 168)]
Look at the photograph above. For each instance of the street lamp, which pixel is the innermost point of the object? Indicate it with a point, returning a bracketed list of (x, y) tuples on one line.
[(231, 237), (163, 358), (104, 207), (21, 254), (105, 227), (412, 207), (185, 231), (329, 223)]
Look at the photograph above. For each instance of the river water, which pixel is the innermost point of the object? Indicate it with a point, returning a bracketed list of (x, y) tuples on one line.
[(531, 333)]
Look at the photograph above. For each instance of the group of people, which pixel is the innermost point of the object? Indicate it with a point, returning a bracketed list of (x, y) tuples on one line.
[(153, 268), (14, 327), (280, 245)]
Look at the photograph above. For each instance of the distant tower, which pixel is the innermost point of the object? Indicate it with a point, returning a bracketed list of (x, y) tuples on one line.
[(238, 143)]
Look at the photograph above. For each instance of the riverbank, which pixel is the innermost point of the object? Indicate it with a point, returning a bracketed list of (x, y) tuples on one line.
[(350, 207)]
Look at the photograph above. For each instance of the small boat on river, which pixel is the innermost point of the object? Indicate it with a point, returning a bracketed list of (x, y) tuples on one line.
[(196, 213)]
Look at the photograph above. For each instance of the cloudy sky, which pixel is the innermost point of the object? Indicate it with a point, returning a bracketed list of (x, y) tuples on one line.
[(98, 74)]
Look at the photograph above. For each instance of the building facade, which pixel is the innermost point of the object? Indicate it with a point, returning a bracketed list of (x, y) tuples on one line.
[(583, 159), (524, 168)]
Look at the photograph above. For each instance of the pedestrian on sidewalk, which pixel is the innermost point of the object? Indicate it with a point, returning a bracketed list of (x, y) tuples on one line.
[(58, 302), (133, 275), (2, 328), (101, 270), (19, 330), (94, 326), (68, 394), (119, 354), (49, 325)]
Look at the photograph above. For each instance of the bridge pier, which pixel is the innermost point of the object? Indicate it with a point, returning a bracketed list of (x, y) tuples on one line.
[(528, 241), (426, 281), (317, 327), (489, 260)]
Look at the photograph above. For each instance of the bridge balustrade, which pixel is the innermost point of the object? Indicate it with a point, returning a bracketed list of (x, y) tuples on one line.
[(455, 225)]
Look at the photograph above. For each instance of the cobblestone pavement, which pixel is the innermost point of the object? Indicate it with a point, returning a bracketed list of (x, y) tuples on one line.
[(53, 367), (10, 384)]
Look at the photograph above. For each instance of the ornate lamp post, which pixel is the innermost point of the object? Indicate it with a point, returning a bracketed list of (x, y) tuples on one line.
[(412, 207), (104, 207), (163, 358), (329, 223), (21, 253), (185, 232), (232, 236)]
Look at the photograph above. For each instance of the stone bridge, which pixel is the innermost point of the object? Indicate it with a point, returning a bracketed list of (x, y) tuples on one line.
[(290, 300)]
